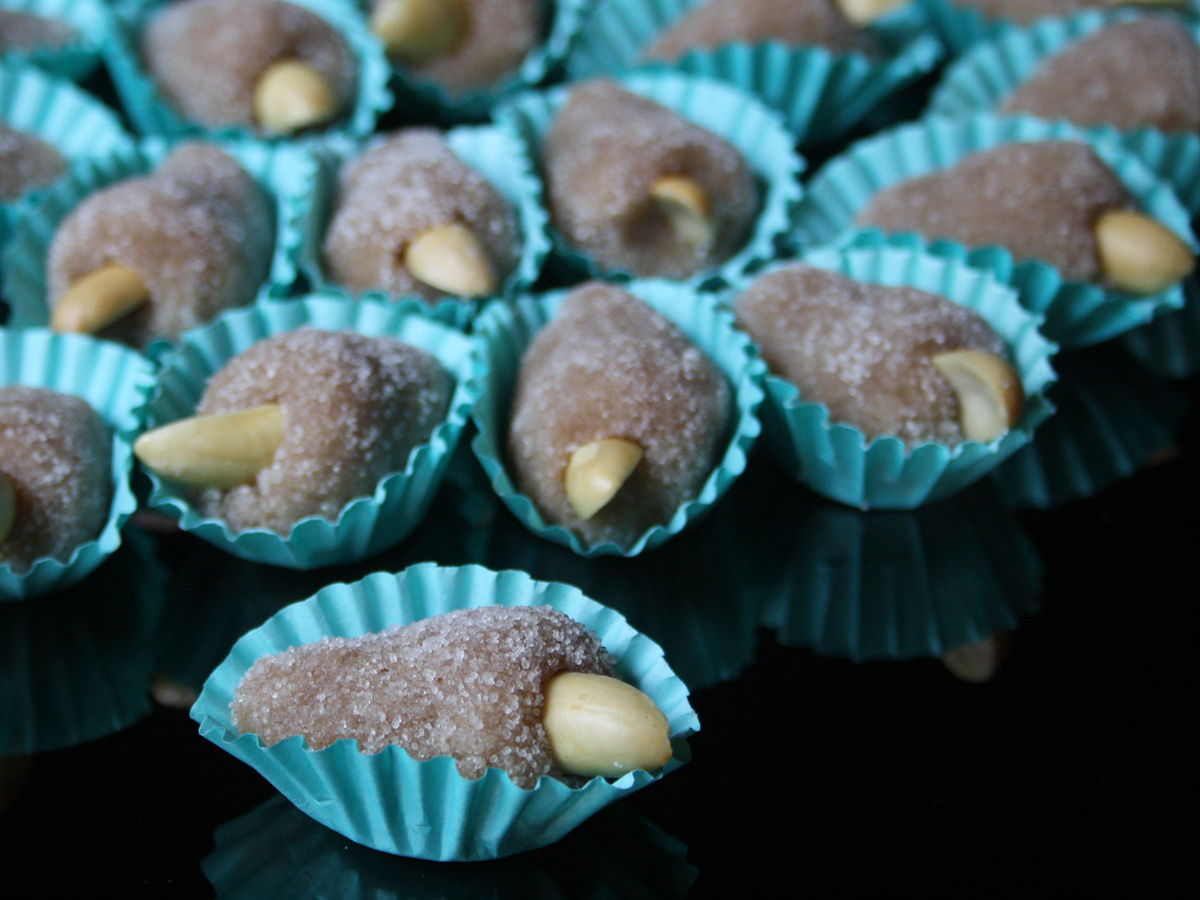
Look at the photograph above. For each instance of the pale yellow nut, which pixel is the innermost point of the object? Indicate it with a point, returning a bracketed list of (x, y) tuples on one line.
[(687, 207), (419, 31), (990, 394), (172, 694), (602, 726), (98, 299), (978, 662), (292, 95), (1139, 254), (8, 507), (451, 259), (219, 451), (596, 471), (864, 12)]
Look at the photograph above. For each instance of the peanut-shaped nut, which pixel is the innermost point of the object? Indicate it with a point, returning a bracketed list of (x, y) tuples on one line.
[(1139, 254), (99, 299), (220, 451), (596, 471), (990, 394)]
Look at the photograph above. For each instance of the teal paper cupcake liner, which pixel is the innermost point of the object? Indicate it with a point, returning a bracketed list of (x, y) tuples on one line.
[(837, 461), (507, 329), (366, 524), (1077, 313), (116, 382), (820, 95), (153, 114), (426, 809), (76, 59), (75, 666), (497, 155), (743, 121), (984, 77), (540, 65), (1170, 345), (287, 174)]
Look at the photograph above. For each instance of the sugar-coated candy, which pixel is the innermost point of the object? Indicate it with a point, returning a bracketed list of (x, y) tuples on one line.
[(1143, 73), (21, 30), (209, 57), (26, 162), (1025, 11), (610, 367), (353, 407), (404, 189), (198, 233), (637, 187), (468, 684), (56, 459), (865, 351)]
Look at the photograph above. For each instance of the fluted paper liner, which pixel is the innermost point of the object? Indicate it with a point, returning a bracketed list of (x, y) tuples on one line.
[(426, 809), (115, 381), (366, 524), (1077, 313), (92, 22), (508, 329), (756, 132), (820, 94), (837, 461)]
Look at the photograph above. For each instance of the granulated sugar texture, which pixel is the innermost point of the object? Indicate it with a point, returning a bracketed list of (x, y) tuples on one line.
[(864, 350), (609, 366), (606, 149), (392, 193), (1139, 74), (57, 452), (467, 684), (207, 55), (26, 162), (1040, 200), (354, 408), (1025, 11), (199, 232), (797, 23)]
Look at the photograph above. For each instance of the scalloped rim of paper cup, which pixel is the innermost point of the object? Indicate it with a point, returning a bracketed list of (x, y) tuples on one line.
[(508, 328), (286, 174), (152, 114), (1170, 345), (1080, 313), (756, 131), (365, 524), (426, 809), (984, 77), (495, 153), (533, 71), (75, 60), (116, 381), (836, 460), (820, 94)]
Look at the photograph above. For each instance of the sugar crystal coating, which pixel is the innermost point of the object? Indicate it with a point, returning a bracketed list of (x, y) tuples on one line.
[(796, 23), (26, 162), (57, 452), (199, 232), (1041, 200), (610, 366), (26, 31), (606, 148), (207, 55), (863, 350), (395, 191), (466, 684), (499, 35), (354, 408), (1025, 11), (1143, 73)]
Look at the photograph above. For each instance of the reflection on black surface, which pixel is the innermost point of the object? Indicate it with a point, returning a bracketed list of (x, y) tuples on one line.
[(276, 851), (75, 665), (1170, 344)]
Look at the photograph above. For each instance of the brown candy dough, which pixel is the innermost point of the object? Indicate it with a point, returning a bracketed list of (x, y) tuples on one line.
[(1026, 11), (1144, 73), (26, 31), (207, 55), (863, 350), (199, 232), (396, 191), (1041, 200), (466, 684), (26, 162), (606, 148), (354, 408), (610, 366), (57, 452)]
